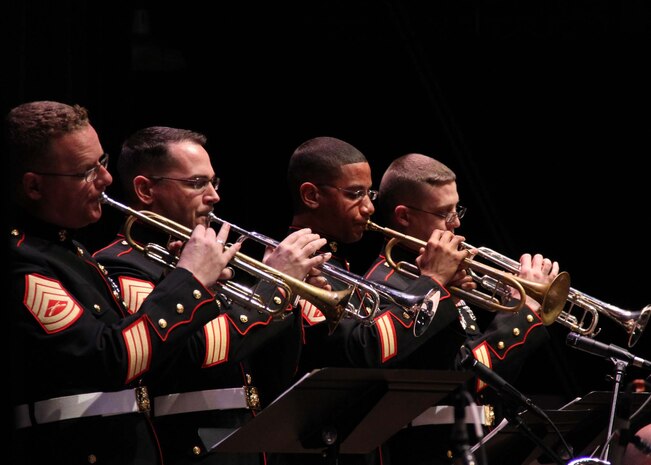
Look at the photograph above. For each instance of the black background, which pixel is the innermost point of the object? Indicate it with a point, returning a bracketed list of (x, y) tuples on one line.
[(541, 107)]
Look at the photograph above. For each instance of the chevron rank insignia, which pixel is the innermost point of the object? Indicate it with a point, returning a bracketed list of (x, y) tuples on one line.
[(134, 291), (50, 303)]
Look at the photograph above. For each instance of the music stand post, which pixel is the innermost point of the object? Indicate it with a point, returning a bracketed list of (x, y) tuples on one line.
[(334, 411)]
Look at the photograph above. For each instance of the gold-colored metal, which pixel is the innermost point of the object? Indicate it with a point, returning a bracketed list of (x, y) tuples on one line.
[(331, 303), (551, 296), (372, 294)]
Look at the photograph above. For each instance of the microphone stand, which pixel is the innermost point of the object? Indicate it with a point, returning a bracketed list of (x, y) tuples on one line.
[(620, 368)]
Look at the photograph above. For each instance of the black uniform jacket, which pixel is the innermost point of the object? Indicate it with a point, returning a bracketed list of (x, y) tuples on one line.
[(503, 346), (71, 334), (214, 358)]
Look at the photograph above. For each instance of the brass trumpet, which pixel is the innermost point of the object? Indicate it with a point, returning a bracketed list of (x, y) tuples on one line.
[(329, 302), (420, 307), (552, 296)]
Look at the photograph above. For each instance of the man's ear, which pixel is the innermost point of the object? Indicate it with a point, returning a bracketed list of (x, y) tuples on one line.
[(401, 215), (143, 186), (309, 195), (32, 186)]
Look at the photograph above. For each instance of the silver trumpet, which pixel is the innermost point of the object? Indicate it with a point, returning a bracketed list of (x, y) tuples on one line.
[(585, 323), (370, 293)]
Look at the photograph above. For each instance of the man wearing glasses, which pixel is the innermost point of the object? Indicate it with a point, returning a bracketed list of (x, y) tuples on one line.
[(209, 389), (330, 185), (418, 195), (78, 358)]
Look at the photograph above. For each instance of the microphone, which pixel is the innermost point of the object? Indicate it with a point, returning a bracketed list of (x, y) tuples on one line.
[(605, 350), (498, 383)]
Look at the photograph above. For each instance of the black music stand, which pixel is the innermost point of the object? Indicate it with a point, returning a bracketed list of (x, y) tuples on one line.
[(339, 410), (583, 424)]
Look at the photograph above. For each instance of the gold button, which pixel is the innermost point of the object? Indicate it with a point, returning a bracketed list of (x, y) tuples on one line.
[(516, 331), (196, 294), (124, 243), (500, 345), (80, 251), (97, 308), (248, 378), (530, 318), (219, 304), (15, 233), (449, 454), (92, 458), (244, 318), (180, 308), (278, 300), (196, 450), (162, 323), (472, 327), (405, 315)]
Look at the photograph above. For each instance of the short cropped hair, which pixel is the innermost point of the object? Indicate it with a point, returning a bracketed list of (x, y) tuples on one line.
[(319, 161), (31, 127), (404, 179), (147, 150)]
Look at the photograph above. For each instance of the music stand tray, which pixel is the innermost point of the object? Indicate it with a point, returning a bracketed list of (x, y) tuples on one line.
[(582, 423), (356, 409)]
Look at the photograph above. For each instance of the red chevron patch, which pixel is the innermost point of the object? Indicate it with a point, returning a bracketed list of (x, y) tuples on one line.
[(136, 338), (310, 312), (50, 303), (134, 291), (387, 333), (217, 341)]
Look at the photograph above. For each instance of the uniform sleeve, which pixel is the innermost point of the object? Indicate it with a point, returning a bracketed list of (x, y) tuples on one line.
[(390, 338), (68, 324)]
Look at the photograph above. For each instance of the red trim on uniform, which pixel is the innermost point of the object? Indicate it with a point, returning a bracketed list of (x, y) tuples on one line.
[(248, 328), (370, 272), (524, 339), (117, 241), (164, 336), (21, 240), (407, 325)]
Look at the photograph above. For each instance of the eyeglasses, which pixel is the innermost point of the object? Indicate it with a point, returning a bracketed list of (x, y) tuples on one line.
[(89, 175), (358, 194), (448, 217), (198, 183)]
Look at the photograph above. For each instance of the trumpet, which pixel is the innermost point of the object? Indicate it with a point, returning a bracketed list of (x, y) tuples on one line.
[(329, 302), (586, 324), (552, 296), (420, 307)]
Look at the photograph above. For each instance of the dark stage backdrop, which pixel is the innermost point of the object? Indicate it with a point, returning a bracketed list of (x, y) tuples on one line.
[(542, 108)]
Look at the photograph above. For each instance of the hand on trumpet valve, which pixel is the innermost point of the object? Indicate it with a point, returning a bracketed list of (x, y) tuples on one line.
[(538, 269), (441, 257), (203, 256), (295, 255), (463, 280)]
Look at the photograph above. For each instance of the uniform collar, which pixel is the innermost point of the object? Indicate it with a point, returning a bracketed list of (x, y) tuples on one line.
[(36, 227)]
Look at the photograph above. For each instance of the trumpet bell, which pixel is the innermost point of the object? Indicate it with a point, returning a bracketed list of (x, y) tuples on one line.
[(553, 296)]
